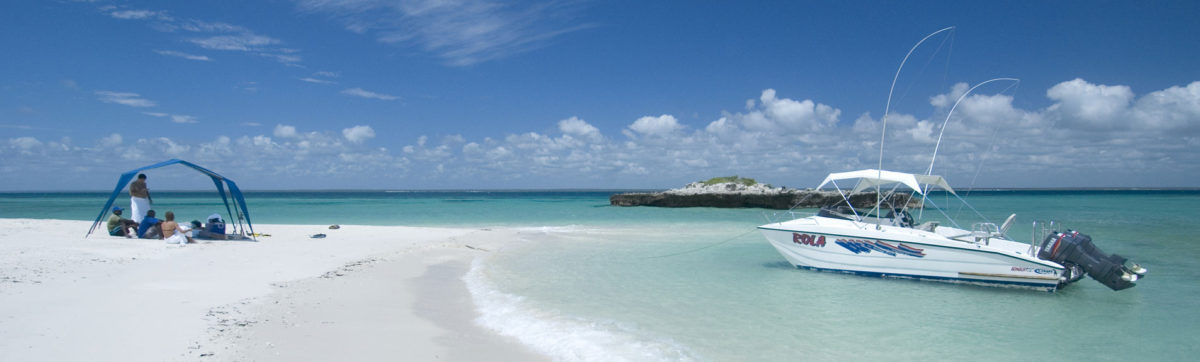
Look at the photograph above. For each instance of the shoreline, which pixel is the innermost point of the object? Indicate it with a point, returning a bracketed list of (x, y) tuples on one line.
[(364, 292)]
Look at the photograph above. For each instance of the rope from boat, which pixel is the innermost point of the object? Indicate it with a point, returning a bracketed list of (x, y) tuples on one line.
[(700, 248)]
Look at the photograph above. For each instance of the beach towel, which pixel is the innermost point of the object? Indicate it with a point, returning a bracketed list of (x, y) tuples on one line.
[(177, 238), (180, 235), (138, 207)]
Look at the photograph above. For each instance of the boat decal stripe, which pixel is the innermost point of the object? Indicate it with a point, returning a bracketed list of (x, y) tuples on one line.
[(1038, 261), (880, 248), (1037, 285), (1008, 276), (859, 246), (908, 250)]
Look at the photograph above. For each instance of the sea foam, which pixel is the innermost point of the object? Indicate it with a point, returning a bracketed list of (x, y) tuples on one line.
[(560, 336)]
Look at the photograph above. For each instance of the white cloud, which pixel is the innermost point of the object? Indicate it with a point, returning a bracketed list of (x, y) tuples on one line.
[(111, 140), (25, 144), (239, 42), (177, 118), (923, 132), (988, 135), (359, 92), (70, 84), (164, 146), (1084, 104), (124, 98), (199, 26), (580, 129), (285, 131), (946, 100), (1111, 111), (989, 110), (721, 127), (358, 134), (1170, 109), (213, 36), (864, 124), (138, 14), (784, 115), (317, 81), (287, 59), (183, 55), (462, 32), (656, 126), (796, 116)]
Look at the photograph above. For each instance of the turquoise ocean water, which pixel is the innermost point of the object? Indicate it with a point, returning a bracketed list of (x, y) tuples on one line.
[(595, 282)]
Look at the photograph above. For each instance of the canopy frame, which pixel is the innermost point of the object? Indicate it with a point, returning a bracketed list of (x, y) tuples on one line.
[(873, 178), (238, 212), (870, 178)]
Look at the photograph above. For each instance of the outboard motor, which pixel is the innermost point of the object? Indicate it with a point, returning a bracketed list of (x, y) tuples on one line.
[(1074, 249)]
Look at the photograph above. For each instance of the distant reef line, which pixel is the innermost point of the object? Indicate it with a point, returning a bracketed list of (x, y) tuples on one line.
[(737, 192), (783, 201)]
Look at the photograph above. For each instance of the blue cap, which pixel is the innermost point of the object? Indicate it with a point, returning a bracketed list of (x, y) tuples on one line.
[(117, 208)]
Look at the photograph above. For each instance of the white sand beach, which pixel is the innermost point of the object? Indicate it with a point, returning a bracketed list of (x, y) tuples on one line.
[(362, 293)]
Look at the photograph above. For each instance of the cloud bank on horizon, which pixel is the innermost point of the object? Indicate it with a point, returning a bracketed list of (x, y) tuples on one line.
[(1090, 131), (1088, 134)]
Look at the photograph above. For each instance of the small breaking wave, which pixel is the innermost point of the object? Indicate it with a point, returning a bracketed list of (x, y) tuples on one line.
[(560, 336), (556, 229)]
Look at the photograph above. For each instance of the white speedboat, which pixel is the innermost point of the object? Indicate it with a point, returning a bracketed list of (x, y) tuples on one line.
[(847, 239)]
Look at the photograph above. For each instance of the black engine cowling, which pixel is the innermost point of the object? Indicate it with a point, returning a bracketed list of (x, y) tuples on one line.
[(1074, 249)]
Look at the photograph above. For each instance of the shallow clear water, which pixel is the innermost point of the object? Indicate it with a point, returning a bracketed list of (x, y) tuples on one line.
[(596, 282)]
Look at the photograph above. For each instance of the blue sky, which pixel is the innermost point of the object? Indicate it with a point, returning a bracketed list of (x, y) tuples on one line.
[(348, 94)]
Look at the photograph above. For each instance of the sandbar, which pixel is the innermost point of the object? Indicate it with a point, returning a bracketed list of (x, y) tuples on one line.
[(361, 293)]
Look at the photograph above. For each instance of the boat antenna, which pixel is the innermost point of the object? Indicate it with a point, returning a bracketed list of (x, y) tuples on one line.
[(887, 108)]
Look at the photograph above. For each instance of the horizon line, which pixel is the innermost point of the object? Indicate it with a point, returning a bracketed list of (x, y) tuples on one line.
[(585, 189)]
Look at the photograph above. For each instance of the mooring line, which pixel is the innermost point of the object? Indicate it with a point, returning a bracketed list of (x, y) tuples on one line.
[(700, 248)]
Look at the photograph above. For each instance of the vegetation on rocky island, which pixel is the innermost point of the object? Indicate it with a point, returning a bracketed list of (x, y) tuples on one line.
[(731, 179)]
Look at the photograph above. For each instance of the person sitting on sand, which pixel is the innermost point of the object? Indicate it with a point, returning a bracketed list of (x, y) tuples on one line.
[(119, 226), (175, 233), (198, 232), (151, 227)]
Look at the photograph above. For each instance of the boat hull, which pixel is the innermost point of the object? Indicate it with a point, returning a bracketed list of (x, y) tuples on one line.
[(907, 253)]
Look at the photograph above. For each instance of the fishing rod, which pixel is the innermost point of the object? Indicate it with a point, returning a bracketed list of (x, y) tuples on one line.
[(946, 122), (887, 108)]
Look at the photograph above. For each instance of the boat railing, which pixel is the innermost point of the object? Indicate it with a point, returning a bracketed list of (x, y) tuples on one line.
[(1046, 227), (983, 232)]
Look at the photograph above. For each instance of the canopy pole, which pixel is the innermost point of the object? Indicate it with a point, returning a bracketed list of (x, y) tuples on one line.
[(125, 177)]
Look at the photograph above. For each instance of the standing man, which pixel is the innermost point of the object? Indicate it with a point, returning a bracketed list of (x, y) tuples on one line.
[(139, 198)]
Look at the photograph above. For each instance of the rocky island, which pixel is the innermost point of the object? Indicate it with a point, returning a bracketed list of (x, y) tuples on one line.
[(740, 192)]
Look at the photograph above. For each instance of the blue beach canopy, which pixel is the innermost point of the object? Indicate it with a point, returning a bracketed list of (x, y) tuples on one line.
[(242, 212)]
